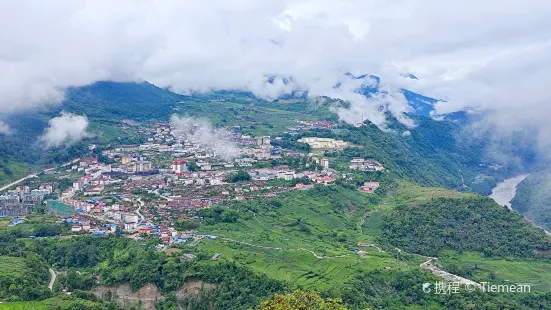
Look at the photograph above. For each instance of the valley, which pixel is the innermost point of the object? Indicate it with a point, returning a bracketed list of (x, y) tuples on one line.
[(275, 155), (301, 201)]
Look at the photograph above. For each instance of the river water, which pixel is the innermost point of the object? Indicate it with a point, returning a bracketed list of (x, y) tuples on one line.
[(505, 191)]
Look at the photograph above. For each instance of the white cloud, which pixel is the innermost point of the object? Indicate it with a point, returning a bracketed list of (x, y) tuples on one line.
[(65, 129), (202, 133), (5, 129), (488, 55)]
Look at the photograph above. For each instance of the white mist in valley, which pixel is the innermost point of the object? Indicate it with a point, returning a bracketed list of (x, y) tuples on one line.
[(201, 133)]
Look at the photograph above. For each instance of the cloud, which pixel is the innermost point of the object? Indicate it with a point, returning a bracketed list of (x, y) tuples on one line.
[(65, 129), (205, 136), (5, 129), (491, 56)]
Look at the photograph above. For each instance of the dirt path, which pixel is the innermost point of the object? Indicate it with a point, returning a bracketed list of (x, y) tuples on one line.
[(428, 265), (52, 279), (283, 249)]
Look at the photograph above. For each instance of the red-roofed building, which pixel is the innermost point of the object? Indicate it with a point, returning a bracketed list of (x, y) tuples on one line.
[(179, 166)]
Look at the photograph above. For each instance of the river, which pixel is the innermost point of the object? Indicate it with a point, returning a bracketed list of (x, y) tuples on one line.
[(505, 191)]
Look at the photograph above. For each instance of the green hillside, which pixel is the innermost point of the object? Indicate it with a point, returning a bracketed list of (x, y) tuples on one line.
[(23, 278), (533, 198), (278, 237), (465, 224), (304, 240)]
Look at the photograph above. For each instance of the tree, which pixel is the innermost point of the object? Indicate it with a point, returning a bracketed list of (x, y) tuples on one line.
[(302, 300), (240, 176)]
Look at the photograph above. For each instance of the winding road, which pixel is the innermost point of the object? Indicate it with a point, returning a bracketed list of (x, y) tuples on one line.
[(138, 211), (52, 279), (428, 265)]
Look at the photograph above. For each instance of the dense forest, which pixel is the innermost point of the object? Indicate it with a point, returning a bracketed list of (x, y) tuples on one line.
[(465, 224), (23, 277)]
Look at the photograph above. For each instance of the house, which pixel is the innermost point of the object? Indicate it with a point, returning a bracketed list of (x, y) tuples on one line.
[(216, 256), (130, 226), (357, 163), (369, 187), (144, 230), (244, 162), (206, 166), (88, 161), (50, 187), (325, 179), (96, 190), (364, 244), (99, 233), (323, 143)]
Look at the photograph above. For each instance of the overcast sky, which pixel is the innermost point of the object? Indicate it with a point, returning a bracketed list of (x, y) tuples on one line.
[(489, 55)]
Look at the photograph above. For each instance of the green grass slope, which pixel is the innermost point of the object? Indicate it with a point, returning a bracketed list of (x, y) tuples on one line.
[(277, 237)]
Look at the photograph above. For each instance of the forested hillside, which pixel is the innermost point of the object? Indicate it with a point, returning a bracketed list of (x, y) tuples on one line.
[(533, 198), (108, 100), (465, 224), (24, 277), (104, 103)]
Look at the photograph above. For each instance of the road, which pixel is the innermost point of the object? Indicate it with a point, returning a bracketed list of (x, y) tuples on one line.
[(140, 205), (5, 187), (52, 279), (166, 198), (34, 175), (428, 265), (446, 275), (101, 218)]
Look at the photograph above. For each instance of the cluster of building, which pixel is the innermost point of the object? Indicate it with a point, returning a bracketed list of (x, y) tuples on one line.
[(23, 200), (324, 143), (309, 125), (365, 165), (147, 187)]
